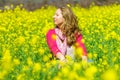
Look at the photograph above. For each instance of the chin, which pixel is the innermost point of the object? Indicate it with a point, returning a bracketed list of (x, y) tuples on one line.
[(55, 24)]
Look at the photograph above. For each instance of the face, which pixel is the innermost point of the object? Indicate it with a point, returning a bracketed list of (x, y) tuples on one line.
[(58, 18)]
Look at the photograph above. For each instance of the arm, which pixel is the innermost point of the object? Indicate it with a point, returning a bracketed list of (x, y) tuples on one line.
[(51, 41), (80, 45)]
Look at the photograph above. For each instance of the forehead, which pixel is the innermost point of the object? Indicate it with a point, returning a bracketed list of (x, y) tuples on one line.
[(58, 11)]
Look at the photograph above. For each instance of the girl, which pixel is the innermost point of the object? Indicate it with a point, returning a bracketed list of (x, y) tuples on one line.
[(66, 36)]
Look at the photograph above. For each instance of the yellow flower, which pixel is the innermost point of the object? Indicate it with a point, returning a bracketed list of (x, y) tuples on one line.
[(104, 62), (45, 58), (81, 78), (90, 55), (54, 62), (89, 73), (113, 34), (56, 78), (6, 60), (65, 71), (100, 46), (2, 74), (25, 68), (77, 66), (73, 76), (41, 51), (34, 40), (76, 44), (50, 55), (114, 59), (95, 55), (79, 52), (21, 39), (21, 77), (29, 61), (3, 29), (68, 58), (116, 67), (110, 75), (54, 36), (48, 65), (16, 61), (100, 60), (44, 70), (68, 5), (36, 67), (83, 41), (6, 56)]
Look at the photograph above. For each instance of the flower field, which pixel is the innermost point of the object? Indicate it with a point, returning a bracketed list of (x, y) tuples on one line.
[(24, 54)]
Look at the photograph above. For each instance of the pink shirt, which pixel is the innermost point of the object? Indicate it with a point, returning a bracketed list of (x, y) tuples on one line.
[(54, 36)]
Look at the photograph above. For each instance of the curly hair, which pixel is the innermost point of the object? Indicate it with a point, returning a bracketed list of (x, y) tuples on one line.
[(70, 25)]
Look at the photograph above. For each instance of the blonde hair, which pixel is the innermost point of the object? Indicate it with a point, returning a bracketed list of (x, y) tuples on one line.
[(70, 25)]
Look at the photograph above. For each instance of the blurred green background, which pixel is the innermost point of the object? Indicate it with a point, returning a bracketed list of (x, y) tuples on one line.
[(34, 4)]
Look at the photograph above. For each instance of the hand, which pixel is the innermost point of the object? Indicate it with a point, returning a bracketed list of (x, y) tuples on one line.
[(84, 58), (62, 59), (84, 62), (60, 56), (62, 63)]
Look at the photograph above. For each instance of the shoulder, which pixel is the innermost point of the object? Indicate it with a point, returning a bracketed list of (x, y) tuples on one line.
[(50, 31), (51, 34), (78, 37)]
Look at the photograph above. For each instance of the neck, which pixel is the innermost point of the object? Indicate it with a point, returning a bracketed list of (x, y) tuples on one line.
[(59, 25)]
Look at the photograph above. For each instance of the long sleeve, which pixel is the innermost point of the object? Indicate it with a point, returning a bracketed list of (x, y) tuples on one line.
[(51, 41), (80, 45)]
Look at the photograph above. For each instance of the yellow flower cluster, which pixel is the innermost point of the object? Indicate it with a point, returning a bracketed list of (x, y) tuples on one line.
[(24, 54)]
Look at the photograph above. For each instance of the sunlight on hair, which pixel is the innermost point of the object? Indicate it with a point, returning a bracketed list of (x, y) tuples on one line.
[(68, 5)]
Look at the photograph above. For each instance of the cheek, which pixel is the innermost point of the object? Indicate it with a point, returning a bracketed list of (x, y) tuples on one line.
[(61, 19)]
